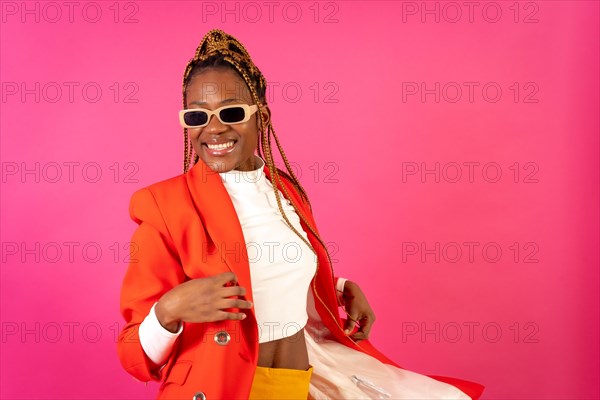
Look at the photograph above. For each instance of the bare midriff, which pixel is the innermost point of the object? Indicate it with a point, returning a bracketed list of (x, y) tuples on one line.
[(289, 352)]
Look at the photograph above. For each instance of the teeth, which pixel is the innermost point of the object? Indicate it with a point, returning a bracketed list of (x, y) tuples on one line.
[(220, 146)]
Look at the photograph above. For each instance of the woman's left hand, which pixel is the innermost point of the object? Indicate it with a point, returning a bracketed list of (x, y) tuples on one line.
[(359, 312)]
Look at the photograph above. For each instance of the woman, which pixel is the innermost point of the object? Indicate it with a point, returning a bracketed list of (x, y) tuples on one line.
[(216, 304)]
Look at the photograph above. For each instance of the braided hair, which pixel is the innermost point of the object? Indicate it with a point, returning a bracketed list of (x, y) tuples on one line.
[(219, 50)]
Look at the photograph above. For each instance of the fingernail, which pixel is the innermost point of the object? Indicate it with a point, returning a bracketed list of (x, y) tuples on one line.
[(244, 316), (347, 331)]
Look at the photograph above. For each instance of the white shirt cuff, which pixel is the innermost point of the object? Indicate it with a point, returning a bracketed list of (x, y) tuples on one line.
[(156, 341), (340, 284), (339, 287)]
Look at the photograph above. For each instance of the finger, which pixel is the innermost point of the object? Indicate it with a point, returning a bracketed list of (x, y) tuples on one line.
[(225, 277), (233, 303), (230, 315), (350, 324), (232, 291), (365, 325), (359, 336)]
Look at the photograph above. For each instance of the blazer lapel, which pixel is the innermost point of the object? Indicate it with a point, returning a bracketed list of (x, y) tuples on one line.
[(220, 221)]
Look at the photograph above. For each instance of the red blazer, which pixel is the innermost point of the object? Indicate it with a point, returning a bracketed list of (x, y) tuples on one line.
[(188, 229)]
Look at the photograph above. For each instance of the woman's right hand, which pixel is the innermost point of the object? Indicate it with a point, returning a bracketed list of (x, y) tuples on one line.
[(202, 300)]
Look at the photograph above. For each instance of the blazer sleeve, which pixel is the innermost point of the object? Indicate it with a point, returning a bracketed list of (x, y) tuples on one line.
[(153, 270)]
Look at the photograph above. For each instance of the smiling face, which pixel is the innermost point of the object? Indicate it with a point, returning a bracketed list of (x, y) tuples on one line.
[(223, 147)]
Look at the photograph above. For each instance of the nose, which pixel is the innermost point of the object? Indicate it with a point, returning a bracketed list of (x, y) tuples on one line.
[(214, 125)]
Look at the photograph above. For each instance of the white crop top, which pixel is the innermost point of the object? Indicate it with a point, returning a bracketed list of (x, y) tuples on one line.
[(281, 264)]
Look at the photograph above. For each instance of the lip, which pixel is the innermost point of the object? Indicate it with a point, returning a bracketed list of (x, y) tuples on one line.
[(219, 153)]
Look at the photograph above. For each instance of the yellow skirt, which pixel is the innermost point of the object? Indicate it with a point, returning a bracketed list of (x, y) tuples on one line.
[(280, 384)]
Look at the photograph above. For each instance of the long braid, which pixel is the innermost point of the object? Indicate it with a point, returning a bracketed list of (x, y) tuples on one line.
[(266, 141), (288, 166), (219, 49)]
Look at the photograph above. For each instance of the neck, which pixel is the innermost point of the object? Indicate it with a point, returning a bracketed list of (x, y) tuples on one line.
[(249, 174)]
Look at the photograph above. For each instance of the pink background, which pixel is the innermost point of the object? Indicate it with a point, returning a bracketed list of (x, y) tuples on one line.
[(524, 323)]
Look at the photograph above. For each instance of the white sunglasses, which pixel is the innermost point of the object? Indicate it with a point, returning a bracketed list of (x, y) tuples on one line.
[(228, 115)]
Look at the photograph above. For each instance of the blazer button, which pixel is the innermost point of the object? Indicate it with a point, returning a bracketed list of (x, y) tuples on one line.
[(222, 338), (199, 396)]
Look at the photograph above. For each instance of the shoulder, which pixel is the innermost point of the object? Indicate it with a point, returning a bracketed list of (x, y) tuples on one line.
[(148, 203)]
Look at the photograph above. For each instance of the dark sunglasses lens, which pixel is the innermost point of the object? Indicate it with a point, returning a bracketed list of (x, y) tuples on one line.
[(195, 118), (232, 115)]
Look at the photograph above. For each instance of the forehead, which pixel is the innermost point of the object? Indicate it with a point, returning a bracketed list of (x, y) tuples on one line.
[(216, 85)]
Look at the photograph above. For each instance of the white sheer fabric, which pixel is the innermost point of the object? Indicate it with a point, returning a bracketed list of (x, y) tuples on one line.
[(334, 365)]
